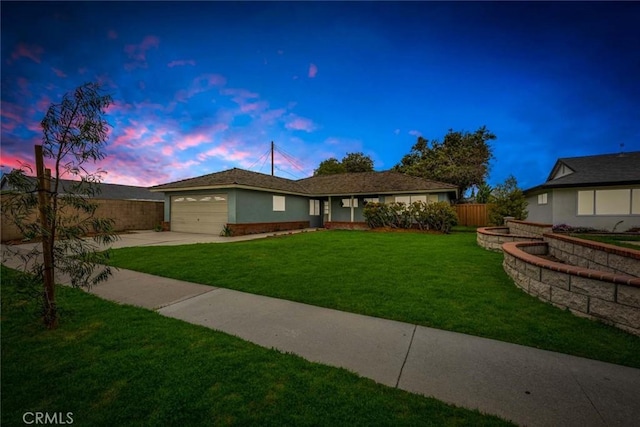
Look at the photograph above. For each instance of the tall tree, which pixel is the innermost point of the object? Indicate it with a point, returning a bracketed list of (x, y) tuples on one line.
[(357, 162), (74, 134), (329, 167), (462, 158), (351, 162)]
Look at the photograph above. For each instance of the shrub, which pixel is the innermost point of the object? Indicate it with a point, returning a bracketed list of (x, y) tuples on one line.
[(427, 216), (507, 200), (377, 214), (441, 216)]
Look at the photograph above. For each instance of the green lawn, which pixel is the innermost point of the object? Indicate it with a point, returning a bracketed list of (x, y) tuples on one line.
[(113, 365), (443, 281), (617, 240)]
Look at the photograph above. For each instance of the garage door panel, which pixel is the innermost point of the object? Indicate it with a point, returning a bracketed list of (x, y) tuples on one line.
[(206, 213)]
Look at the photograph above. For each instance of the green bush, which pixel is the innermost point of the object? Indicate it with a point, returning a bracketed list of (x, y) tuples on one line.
[(507, 200), (441, 216), (426, 216)]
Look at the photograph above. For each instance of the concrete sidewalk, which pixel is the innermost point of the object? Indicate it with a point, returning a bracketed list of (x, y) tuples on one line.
[(525, 385), (522, 384)]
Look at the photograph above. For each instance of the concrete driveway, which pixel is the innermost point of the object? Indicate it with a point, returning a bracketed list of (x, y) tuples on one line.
[(173, 238)]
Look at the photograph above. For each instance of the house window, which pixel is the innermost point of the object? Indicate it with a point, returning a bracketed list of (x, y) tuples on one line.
[(542, 199), (371, 200), (586, 202), (278, 203), (346, 203), (609, 202), (326, 208), (403, 199), (314, 207), (613, 202)]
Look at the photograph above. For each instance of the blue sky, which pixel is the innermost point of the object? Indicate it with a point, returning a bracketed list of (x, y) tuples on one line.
[(205, 86)]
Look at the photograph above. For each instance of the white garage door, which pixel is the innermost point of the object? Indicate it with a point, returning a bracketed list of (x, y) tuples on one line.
[(206, 213)]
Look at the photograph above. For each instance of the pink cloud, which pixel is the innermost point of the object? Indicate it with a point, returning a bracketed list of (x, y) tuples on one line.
[(12, 115), (200, 84), (181, 62), (313, 70), (137, 53), (239, 96), (23, 50), (129, 136), (193, 140), (254, 107), (112, 34), (269, 117), (225, 151), (300, 123), (204, 135), (59, 73)]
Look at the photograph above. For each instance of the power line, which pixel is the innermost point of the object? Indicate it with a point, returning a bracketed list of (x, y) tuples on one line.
[(292, 160), (287, 172), (265, 155)]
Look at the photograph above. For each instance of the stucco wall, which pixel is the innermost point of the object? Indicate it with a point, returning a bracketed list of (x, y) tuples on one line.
[(342, 214), (257, 207), (563, 208), (127, 214), (540, 213)]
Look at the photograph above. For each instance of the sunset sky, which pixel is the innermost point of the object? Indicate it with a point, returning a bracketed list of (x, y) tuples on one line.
[(205, 86)]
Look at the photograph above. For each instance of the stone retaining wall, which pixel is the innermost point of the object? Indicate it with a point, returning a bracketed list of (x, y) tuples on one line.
[(611, 297), (530, 229), (492, 238), (594, 255)]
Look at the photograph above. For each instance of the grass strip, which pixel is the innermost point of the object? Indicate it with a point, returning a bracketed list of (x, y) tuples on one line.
[(109, 364), (617, 240)]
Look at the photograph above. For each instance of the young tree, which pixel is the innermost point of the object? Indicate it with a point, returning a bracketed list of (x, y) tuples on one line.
[(351, 162), (484, 192), (462, 158), (507, 200), (74, 134)]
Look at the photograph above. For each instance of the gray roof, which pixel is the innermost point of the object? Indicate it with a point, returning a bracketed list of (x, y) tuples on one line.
[(234, 178), (107, 191), (600, 170), (370, 183), (337, 184)]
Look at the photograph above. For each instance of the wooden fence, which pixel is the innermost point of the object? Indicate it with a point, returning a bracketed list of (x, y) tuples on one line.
[(472, 215)]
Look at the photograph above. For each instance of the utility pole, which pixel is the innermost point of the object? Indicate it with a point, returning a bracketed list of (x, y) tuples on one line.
[(271, 158)]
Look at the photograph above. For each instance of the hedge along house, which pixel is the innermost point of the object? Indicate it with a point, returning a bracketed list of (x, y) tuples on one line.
[(593, 191), (249, 202)]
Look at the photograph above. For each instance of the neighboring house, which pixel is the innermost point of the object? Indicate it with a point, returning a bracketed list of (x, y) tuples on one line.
[(251, 202), (106, 191), (132, 208), (592, 191)]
